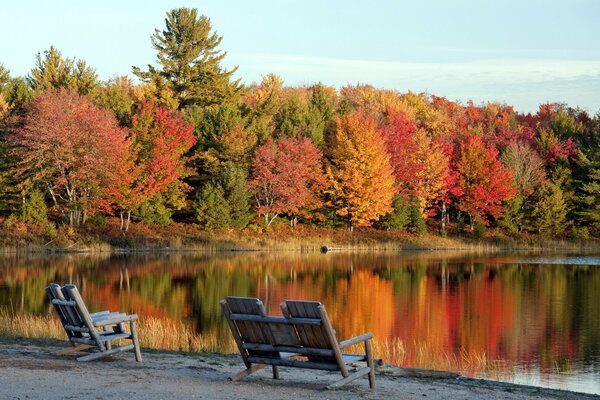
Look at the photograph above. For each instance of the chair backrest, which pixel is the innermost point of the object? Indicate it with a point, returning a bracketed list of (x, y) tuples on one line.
[(258, 328), (71, 309), (320, 336)]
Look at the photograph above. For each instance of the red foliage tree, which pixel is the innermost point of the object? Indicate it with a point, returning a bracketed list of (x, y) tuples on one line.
[(72, 149), (482, 181), (159, 141), (420, 164), (285, 178)]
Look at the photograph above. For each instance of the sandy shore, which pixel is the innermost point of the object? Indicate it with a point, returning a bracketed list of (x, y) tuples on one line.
[(30, 370)]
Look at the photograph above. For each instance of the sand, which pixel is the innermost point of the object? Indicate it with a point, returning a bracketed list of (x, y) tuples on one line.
[(29, 369)]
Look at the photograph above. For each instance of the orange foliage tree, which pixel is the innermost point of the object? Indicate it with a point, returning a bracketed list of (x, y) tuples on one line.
[(362, 180)]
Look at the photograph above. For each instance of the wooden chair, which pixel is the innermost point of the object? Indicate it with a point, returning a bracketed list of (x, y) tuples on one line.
[(304, 331), (91, 331)]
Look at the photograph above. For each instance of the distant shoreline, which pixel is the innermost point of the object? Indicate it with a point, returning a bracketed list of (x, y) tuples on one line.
[(24, 239)]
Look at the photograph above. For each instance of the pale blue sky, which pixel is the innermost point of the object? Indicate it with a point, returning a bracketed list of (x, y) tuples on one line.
[(520, 52)]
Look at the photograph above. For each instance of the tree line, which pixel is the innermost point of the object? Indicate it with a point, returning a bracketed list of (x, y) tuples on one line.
[(188, 142)]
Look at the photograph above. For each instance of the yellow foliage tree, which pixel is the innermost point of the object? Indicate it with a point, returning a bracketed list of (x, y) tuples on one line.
[(362, 181)]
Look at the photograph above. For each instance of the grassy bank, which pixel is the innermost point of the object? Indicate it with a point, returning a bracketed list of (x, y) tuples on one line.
[(22, 238), (166, 334)]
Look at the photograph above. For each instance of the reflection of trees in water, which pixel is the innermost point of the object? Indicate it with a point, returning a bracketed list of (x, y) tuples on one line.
[(505, 310)]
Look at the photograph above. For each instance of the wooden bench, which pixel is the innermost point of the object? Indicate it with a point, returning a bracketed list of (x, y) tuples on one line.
[(94, 331), (302, 338)]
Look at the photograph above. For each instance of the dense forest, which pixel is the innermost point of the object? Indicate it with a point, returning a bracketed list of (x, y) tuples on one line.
[(187, 142)]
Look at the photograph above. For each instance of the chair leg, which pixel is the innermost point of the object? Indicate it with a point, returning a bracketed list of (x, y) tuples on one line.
[(276, 372), (73, 349), (241, 375), (369, 354), (136, 342), (107, 343), (361, 372)]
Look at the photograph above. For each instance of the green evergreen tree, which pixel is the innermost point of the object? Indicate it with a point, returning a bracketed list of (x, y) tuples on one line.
[(117, 96), (290, 118), (478, 227), (549, 214), (516, 215), (238, 196), (4, 78), (417, 222), (212, 210), (154, 211), (587, 194), (54, 71), (34, 208), (400, 217), (18, 92), (190, 62)]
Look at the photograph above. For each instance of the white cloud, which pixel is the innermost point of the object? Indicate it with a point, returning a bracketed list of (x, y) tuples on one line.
[(524, 83)]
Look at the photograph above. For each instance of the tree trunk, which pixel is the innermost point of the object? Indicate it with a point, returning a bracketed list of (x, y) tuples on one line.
[(470, 221), (443, 215), (122, 220), (128, 219)]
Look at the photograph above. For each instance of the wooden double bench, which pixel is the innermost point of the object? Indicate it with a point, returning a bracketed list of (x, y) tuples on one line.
[(302, 338)]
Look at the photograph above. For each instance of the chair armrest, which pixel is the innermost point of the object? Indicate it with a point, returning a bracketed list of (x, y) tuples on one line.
[(356, 340), (99, 314), (114, 319)]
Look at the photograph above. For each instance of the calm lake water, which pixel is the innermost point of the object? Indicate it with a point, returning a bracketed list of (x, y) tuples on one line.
[(518, 318)]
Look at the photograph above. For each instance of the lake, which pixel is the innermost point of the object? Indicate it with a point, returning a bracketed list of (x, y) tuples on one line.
[(521, 318)]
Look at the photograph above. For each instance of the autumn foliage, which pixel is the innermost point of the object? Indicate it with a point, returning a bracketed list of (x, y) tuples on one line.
[(286, 178), (362, 181), (483, 181), (71, 149), (191, 146)]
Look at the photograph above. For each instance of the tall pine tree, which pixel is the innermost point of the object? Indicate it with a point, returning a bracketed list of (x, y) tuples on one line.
[(190, 63)]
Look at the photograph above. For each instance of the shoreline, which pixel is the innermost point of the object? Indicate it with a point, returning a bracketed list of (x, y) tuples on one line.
[(323, 241), (29, 369)]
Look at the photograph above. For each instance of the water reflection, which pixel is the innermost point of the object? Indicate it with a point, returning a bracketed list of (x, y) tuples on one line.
[(514, 318)]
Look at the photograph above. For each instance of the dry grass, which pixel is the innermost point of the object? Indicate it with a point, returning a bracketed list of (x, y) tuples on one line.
[(30, 326), (166, 334), (154, 333)]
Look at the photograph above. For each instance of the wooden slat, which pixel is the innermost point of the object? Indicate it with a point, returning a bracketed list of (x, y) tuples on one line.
[(115, 336), (275, 319), (77, 328), (356, 340), (114, 320), (293, 363), (288, 349), (68, 303)]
